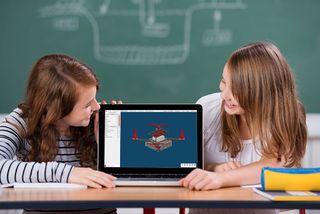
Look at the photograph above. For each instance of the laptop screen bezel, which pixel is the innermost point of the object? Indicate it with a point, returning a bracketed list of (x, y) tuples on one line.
[(119, 170)]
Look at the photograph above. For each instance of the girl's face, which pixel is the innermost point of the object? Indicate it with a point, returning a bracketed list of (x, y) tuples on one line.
[(230, 104), (84, 108)]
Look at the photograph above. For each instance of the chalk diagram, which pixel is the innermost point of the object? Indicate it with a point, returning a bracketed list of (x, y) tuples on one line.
[(155, 23)]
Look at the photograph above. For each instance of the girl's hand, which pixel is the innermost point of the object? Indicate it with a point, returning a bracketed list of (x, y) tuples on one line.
[(91, 178), (225, 166), (200, 179), (96, 118)]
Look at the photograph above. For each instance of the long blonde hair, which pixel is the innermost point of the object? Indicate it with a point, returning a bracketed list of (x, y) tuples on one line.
[(263, 84), (51, 95)]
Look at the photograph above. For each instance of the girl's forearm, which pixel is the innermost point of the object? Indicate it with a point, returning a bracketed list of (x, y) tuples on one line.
[(247, 174)]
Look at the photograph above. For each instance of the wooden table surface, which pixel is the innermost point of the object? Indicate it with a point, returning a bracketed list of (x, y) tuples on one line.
[(139, 197)]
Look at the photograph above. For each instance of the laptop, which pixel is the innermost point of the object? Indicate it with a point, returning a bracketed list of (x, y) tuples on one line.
[(150, 144)]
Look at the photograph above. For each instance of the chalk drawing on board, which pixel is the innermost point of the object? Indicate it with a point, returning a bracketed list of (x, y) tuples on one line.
[(168, 28), (103, 8), (217, 36), (148, 20), (65, 23)]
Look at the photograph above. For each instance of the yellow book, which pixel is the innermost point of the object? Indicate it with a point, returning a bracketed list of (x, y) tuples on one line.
[(290, 179)]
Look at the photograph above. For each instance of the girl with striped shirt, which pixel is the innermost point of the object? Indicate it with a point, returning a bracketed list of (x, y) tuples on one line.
[(52, 135)]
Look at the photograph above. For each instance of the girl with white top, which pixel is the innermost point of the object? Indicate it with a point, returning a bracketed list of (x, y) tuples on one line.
[(256, 121)]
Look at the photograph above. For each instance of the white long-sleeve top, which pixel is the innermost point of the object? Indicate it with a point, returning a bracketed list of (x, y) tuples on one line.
[(211, 105)]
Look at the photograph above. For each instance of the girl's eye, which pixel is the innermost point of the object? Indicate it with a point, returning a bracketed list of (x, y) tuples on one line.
[(88, 105)]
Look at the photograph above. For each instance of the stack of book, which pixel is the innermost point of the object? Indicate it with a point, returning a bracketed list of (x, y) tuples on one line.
[(290, 184)]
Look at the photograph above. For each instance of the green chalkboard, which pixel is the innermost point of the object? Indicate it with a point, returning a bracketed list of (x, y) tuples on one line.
[(170, 51)]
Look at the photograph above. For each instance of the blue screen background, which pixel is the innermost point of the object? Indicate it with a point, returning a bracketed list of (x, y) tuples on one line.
[(136, 154)]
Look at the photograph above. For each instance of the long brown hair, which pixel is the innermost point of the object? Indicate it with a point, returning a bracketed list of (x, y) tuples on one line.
[(263, 83), (51, 95)]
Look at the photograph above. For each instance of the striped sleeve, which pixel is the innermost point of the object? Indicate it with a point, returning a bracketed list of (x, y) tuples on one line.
[(10, 135), (12, 170)]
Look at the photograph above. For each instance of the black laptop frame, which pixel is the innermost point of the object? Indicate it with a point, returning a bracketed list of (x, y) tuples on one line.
[(124, 170)]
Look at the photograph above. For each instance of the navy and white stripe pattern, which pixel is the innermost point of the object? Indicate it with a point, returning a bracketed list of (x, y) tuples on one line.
[(14, 150)]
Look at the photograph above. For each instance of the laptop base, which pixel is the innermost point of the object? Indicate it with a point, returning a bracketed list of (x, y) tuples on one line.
[(120, 182)]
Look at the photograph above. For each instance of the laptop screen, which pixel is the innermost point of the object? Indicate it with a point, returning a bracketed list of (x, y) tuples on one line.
[(150, 136)]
